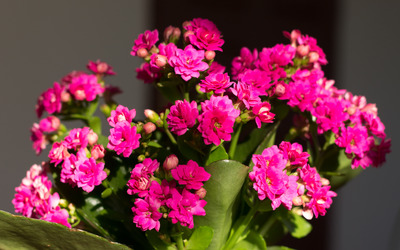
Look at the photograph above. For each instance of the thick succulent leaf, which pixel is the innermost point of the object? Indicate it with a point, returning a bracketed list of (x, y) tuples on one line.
[(217, 154), (337, 167), (187, 149), (297, 226), (279, 248), (253, 241), (267, 141), (157, 242), (223, 188), (19, 232), (200, 239)]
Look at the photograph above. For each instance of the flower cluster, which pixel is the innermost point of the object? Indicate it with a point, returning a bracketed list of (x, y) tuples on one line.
[(174, 198), (34, 198), (283, 175), (77, 169)]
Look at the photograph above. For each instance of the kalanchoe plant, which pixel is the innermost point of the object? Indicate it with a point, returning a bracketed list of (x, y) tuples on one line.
[(232, 158)]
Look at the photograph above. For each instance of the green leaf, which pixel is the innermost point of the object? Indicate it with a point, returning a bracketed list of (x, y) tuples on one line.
[(94, 123), (169, 89), (223, 188), (297, 226), (279, 248), (200, 239), (253, 241), (249, 144), (92, 107), (335, 160), (157, 243), (217, 154), (187, 147), (267, 141), (18, 232), (154, 144)]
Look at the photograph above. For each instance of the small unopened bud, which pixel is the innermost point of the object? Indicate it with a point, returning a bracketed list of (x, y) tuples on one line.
[(171, 34), (303, 50), (308, 214), (201, 193), (170, 162), (65, 97), (209, 55), (161, 60), (187, 34), (149, 127), (141, 158), (151, 115), (92, 138), (280, 89), (186, 23), (297, 201), (98, 152), (324, 182), (102, 67), (142, 52), (313, 57)]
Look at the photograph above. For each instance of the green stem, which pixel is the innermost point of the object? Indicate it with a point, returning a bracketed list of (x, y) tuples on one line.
[(186, 92), (231, 242), (267, 226), (314, 136), (178, 238), (170, 136), (234, 141)]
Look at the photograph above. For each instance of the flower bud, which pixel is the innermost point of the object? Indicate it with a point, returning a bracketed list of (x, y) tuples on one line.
[(209, 55), (151, 115), (142, 53), (92, 138), (102, 67), (308, 214), (141, 158), (303, 50), (149, 127), (65, 97), (201, 193), (324, 182), (170, 162), (280, 89), (49, 124), (171, 34), (187, 34), (186, 23), (297, 201), (313, 57), (161, 60), (98, 152)]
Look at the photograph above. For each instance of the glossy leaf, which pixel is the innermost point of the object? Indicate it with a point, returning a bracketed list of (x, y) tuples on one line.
[(223, 188), (217, 154), (157, 243), (253, 241), (18, 232), (200, 239), (297, 226)]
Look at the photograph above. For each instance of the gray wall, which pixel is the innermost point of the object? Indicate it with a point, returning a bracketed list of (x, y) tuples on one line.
[(41, 41), (364, 214)]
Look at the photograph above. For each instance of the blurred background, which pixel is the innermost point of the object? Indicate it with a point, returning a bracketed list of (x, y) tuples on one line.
[(42, 41)]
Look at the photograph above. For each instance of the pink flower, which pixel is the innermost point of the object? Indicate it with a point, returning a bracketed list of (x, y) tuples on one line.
[(57, 215), (183, 115), (145, 73), (89, 174), (294, 153), (146, 215), (50, 100), (217, 119), (100, 68), (215, 82), (121, 113), (216, 68), (262, 113), (354, 140), (123, 138), (260, 81), (184, 206), (243, 62), (167, 50), (58, 152), (141, 176), (190, 175), (321, 200), (85, 87), (146, 40), (69, 166), (49, 124), (246, 94), (67, 79), (77, 138), (188, 63), (330, 115), (303, 94), (309, 177), (38, 138), (204, 34)]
